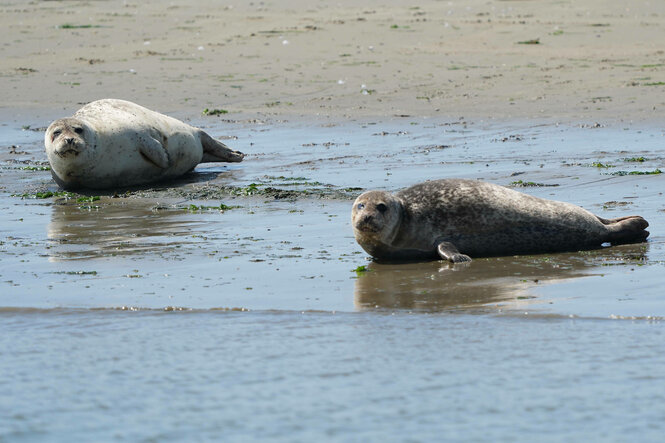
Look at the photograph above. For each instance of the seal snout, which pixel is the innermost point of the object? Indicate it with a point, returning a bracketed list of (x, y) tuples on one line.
[(367, 223), (363, 217), (69, 146)]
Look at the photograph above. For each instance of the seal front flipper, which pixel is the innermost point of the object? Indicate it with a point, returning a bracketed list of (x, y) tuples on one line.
[(216, 151), (154, 152), (448, 251)]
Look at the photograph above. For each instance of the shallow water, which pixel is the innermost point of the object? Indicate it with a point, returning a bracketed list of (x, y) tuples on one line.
[(282, 375), (141, 317)]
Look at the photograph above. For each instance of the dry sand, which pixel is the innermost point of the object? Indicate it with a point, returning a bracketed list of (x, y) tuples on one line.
[(594, 60)]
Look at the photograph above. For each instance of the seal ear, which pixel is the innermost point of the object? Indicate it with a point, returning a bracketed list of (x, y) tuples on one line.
[(154, 152), (448, 251)]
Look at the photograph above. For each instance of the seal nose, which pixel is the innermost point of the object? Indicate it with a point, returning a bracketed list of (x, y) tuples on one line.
[(69, 140)]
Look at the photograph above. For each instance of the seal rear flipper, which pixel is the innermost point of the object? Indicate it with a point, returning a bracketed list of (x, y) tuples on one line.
[(216, 151), (154, 152), (448, 251), (631, 229)]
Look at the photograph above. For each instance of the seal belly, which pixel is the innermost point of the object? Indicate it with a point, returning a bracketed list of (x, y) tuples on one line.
[(521, 240), (383, 252)]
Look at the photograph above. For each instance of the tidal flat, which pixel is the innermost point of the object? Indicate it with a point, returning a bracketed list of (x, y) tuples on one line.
[(235, 305), (237, 300), (284, 214)]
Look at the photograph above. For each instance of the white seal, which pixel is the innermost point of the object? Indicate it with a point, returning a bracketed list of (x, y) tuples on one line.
[(115, 143)]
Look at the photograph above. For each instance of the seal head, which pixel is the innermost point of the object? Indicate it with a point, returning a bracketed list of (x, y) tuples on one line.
[(66, 137), (376, 218), (70, 145)]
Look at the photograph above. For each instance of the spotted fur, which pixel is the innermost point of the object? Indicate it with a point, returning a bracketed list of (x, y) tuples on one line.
[(458, 219)]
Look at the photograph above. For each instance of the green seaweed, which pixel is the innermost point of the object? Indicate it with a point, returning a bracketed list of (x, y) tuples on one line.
[(222, 207), (46, 194), (360, 270), (75, 272), (207, 111), (534, 41), (70, 26), (523, 184), (281, 177), (36, 168), (622, 173), (250, 189), (87, 199), (221, 192)]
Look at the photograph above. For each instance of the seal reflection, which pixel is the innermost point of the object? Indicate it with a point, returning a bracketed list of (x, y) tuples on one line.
[(102, 229), (483, 286)]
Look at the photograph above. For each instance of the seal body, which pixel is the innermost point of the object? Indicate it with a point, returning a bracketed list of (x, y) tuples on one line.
[(115, 143), (459, 219)]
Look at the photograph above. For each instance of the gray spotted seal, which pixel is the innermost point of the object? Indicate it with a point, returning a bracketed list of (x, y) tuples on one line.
[(115, 143), (458, 219)]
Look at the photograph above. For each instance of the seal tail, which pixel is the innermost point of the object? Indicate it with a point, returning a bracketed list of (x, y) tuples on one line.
[(630, 229), (216, 151)]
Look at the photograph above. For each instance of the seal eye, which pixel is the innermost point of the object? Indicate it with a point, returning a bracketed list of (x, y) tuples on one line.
[(360, 206), (56, 133), (381, 208), (78, 130)]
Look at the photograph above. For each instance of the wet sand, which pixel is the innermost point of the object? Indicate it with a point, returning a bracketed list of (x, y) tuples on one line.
[(234, 303), (284, 214)]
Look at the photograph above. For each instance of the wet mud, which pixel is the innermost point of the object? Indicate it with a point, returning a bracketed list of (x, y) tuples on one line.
[(201, 241)]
